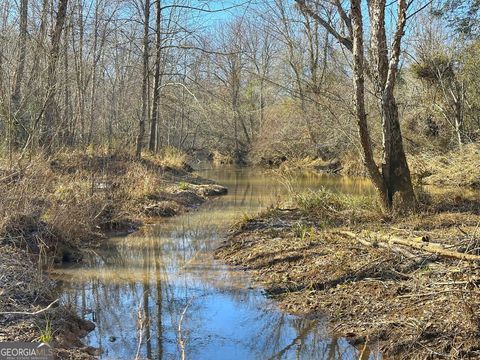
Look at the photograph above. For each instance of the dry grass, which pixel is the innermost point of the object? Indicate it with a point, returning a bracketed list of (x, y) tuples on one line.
[(349, 164), (169, 156), (221, 159), (458, 168), (352, 164), (335, 208), (310, 163), (52, 204), (139, 182)]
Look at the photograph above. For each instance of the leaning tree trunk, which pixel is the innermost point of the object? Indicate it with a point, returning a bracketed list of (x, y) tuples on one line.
[(395, 172), (393, 183), (359, 95)]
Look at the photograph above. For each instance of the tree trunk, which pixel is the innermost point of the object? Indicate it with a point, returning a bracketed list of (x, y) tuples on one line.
[(48, 126), (156, 82), (93, 79), (459, 103), (67, 124), (80, 71), (22, 50), (18, 124), (141, 123), (395, 175), (359, 94), (395, 171)]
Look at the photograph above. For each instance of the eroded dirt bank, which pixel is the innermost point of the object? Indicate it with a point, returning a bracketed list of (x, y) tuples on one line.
[(56, 209), (335, 255)]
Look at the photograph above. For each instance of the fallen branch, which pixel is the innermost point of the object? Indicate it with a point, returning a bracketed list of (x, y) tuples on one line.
[(416, 243), (379, 244), (29, 313), (434, 248)]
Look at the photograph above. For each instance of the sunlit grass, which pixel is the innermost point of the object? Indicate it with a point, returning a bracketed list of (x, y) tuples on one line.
[(46, 334)]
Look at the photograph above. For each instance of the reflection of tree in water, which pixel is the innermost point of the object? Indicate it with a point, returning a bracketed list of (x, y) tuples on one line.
[(169, 267)]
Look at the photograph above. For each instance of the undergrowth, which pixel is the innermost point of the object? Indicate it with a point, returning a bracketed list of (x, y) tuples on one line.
[(50, 204), (458, 168), (325, 200)]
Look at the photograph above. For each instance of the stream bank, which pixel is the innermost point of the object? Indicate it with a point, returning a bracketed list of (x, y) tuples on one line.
[(58, 210), (330, 255)]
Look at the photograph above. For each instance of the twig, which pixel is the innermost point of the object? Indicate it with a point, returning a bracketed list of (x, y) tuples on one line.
[(140, 332), (29, 313)]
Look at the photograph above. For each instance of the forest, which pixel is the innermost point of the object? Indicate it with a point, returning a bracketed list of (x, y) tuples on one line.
[(335, 145)]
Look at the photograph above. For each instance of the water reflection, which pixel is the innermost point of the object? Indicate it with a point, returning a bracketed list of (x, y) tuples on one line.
[(159, 294)]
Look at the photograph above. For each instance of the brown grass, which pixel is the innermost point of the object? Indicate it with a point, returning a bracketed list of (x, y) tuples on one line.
[(71, 198), (222, 159), (458, 168)]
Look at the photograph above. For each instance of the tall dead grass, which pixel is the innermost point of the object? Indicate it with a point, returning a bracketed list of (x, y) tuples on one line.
[(169, 157), (457, 168), (73, 197)]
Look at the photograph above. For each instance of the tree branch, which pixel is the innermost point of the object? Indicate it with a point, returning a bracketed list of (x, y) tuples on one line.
[(347, 42)]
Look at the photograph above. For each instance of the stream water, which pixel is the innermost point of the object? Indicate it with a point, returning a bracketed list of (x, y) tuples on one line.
[(159, 294)]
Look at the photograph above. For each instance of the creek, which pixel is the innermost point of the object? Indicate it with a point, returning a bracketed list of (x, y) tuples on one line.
[(159, 293)]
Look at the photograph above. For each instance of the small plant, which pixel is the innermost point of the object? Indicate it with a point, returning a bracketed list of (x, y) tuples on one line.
[(245, 218), (46, 335), (324, 223), (301, 230), (182, 185)]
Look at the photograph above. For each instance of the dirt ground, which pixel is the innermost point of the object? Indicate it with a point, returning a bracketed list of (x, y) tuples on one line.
[(25, 293), (408, 302)]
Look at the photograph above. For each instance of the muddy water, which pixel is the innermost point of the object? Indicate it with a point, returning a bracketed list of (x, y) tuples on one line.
[(158, 293)]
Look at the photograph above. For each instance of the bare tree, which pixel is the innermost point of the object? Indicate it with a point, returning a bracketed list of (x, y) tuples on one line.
[(49, 118), (145, 73), (152, 146), (436, 67), (393, 181), (16, 94)]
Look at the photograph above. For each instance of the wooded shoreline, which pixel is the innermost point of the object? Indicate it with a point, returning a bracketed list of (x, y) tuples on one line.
[(34, 239), (101, 100)]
